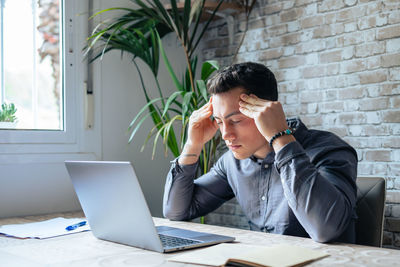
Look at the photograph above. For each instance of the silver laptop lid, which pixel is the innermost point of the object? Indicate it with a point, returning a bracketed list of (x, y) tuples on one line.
[(112, 200)]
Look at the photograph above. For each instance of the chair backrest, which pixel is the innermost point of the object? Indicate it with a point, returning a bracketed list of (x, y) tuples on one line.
[(371, 195)]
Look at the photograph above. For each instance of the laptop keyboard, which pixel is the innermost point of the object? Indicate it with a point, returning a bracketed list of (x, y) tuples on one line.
[(173, 241)]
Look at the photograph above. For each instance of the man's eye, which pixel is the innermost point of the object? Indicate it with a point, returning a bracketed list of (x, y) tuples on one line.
[(219, 122), (236, 121)]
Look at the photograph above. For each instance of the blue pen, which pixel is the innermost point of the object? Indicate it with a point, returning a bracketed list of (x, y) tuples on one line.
[(74, 226)]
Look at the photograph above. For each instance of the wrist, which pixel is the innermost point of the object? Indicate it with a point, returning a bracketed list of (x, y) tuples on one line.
[(190, 154), (280, 139), (279, 143), (192, 148)]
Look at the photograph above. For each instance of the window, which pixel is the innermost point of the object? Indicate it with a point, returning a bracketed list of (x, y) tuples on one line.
[(31, 61), (59, 108)]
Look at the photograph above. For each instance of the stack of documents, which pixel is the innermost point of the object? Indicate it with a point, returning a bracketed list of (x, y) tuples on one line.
[(45, 229)]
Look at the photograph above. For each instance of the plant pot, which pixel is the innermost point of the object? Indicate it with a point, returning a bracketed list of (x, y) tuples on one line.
[(8, 125)]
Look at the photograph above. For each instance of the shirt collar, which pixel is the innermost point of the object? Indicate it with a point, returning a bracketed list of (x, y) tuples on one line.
[(268, 159)]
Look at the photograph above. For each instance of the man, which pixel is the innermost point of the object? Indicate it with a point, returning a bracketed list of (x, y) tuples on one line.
[(287, 179)]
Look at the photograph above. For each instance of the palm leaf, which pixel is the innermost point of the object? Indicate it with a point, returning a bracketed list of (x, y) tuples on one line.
[(138, 126), (159, 133), (168, 66), (183, 131), (200, 36), (168, 129), (197, 11), (138, 32), (170, 101), (185, 104), (201, 86), (150, 134), (186, 20), (208, 68), (142, 110)]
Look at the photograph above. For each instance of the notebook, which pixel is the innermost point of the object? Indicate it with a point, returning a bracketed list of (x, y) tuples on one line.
[(115, 207)]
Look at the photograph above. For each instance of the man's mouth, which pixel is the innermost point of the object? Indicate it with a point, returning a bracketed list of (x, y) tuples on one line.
[(234, 147)]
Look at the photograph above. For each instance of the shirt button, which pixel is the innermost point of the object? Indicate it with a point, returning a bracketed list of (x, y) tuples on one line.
[(263, 198), (266, 166)]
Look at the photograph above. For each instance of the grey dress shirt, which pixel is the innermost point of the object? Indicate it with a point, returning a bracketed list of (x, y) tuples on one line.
[(307, 189)]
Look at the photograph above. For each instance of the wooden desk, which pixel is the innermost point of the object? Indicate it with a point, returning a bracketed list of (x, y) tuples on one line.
[(83, 249)]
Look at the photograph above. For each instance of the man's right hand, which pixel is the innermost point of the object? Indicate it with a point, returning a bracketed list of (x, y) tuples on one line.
[(201, 129)]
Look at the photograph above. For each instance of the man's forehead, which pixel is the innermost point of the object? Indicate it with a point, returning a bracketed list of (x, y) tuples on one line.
[(228, 115), (226, 104)]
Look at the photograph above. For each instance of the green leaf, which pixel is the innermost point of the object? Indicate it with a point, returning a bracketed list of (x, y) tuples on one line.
[(150, 134), (201, 85), (138, 126), (143, 110), (164, 16), (168, 65), (112, 8), (175, 14), (185, 104), (205, 27), (183, 131), (169, 101), (7, 112), (187, 81), (208, 68), (138, 32), (155, 52), (169, 128), (197, 11), (159, 133), (186, 21)]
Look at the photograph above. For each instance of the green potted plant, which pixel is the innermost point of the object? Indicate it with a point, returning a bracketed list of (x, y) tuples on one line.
[(7, 116), (138, 31)]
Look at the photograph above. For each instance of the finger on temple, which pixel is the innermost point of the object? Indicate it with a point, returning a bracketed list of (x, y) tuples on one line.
[(248, 99), (205, 106), (246, 105), (245, 112), (259, 101), (205, 114)]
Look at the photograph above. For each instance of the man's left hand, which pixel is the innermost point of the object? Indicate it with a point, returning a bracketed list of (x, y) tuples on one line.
[(268, 115)]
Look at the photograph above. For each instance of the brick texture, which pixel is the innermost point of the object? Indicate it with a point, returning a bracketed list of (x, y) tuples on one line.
[(337, 63)]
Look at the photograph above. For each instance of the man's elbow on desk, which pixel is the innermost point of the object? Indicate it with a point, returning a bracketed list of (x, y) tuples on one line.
[(328, 233), (173, 216), (324, 236)]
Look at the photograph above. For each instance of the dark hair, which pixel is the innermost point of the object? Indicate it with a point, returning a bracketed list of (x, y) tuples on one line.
[(255, 78)]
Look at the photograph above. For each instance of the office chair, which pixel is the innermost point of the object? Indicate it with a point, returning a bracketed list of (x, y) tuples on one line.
[(371, 195)]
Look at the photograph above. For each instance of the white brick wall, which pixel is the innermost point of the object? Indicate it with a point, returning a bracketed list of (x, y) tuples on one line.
[(337, 63)]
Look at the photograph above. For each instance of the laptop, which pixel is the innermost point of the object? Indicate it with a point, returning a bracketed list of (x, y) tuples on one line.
[(116, 210)]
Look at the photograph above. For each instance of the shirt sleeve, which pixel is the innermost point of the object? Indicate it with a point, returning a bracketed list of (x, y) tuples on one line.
[(320, 190), (186, 198)]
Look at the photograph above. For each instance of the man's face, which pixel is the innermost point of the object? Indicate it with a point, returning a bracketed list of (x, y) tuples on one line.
[(239, 131)]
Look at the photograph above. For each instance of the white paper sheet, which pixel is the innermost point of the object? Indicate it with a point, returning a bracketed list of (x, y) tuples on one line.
[(44, 229)]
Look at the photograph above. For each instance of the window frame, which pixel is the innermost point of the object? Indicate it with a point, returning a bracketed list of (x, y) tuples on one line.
[(74, 68), (76, 140)]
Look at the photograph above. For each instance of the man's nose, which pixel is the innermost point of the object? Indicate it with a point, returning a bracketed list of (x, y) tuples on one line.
[(227, 133)]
